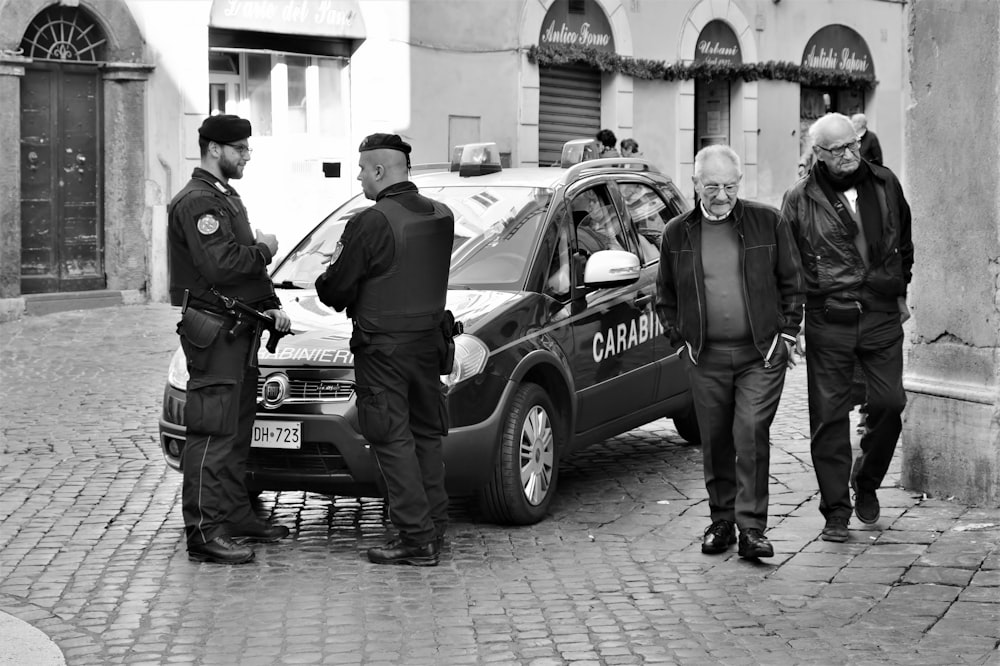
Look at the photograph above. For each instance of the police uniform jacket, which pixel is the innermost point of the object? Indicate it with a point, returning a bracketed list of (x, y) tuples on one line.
[(210, 244), (773, 288), (391, 268)]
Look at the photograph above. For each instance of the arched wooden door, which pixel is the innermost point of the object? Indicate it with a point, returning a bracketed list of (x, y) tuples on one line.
[(62, 229)]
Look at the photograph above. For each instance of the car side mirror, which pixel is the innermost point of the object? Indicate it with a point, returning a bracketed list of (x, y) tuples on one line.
[(611, 268)]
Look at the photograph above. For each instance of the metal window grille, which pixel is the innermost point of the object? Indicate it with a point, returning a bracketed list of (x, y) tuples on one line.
[(64, 34)]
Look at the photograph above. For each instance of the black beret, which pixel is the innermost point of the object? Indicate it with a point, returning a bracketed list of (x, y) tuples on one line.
[(224, 128), (390, 141)]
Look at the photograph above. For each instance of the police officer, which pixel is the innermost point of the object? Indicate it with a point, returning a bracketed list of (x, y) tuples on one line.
[(390, 272), (214, 255)]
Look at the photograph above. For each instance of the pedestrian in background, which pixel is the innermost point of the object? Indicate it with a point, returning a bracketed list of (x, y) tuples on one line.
[(871, 149), (852, 225), (630, 148), (729, 296), (390, 272), (608, 141), (213, 253)]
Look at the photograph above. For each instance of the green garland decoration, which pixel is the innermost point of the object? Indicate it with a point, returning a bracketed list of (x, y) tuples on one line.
[(642, 68)]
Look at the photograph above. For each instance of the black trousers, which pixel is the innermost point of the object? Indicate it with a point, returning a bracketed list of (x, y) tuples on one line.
[(876, 342), (218, 415), (402, 412), (735, 400)]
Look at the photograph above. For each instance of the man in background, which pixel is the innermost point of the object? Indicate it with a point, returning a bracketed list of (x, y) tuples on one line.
[(871, 149)]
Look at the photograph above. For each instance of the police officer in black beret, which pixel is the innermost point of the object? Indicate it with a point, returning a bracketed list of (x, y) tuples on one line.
[(214, 255), (390, 272)]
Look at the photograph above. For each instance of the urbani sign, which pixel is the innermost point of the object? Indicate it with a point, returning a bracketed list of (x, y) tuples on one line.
[(588, 28), (717, 43), (840, 49), (328, 18)]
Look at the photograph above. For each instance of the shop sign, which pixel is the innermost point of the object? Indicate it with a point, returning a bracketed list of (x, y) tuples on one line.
[(587, 28), (838, 48), (327, 18), (718, 44)]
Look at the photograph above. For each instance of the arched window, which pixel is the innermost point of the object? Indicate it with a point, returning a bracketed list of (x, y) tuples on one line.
[(64, 34)]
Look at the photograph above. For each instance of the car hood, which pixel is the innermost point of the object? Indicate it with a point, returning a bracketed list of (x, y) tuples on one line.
[(323, 335)]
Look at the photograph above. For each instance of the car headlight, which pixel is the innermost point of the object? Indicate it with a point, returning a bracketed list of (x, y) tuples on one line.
[(177, 373), (471, 354)]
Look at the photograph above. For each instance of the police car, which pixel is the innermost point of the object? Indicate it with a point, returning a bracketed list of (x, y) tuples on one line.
[(553, 277)]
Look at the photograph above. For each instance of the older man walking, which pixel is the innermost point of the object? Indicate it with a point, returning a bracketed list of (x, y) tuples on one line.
[(852, 225), (729, 295)]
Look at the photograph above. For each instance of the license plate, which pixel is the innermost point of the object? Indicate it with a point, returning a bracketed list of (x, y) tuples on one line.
[(277, 435)]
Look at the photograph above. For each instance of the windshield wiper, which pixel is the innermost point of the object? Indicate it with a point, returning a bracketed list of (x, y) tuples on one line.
[(287, 284)]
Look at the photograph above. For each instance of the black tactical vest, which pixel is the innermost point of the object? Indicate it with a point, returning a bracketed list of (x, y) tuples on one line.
[(410, 296)]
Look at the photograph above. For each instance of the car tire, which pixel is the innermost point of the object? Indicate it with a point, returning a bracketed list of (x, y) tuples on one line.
[(687, 428), (527, 468)]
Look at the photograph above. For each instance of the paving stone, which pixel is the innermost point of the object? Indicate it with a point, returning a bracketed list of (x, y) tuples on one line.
[(91, 548)]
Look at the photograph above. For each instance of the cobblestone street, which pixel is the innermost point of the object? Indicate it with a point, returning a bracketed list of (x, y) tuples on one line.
[(92, 550)]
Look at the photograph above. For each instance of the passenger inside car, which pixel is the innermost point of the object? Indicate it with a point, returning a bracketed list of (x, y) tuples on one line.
[(597, 226)]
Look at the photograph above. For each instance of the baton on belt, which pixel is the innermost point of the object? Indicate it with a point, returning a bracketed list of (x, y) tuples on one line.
[(238, 307)]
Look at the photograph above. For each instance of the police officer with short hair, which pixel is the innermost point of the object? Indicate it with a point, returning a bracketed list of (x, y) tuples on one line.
[(390, 272), (213, 254)]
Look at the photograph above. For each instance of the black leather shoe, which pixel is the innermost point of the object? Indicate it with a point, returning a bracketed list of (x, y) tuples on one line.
[(220, 550), (397, 552), (835, 529), (753, 544), (719, 536), (866, 506), (260, 533)]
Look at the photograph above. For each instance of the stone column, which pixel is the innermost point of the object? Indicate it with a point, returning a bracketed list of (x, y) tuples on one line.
[(951, 433), (11, 71), (126, 215)]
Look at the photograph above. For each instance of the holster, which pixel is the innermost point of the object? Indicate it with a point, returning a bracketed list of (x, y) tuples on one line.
[(201, 328), (449, 329)]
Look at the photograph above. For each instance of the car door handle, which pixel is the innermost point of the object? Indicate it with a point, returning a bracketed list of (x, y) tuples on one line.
[(642, 300)]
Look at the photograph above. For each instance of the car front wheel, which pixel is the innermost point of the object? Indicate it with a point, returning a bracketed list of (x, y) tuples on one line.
[(524, 480)]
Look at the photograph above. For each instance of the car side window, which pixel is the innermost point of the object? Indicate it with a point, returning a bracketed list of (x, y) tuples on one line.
[(650, 213), (596, 220)]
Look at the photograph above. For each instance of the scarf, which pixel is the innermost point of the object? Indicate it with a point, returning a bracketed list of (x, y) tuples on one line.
[(863, 181)]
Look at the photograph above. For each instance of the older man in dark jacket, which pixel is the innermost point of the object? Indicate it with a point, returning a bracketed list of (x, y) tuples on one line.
[(852, 225), (729, 295)]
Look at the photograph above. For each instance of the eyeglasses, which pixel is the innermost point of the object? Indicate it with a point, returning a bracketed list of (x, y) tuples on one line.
[(841, 150), (244, 150), (712, 190)]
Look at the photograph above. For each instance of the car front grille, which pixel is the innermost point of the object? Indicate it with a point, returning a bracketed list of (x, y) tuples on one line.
[(312, 458), (313, 390)]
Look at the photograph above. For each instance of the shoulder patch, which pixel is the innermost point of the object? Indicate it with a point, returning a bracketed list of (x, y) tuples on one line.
[(208, 224), (336, 253)]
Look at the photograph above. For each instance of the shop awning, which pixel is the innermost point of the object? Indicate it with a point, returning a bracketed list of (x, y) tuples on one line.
[(320, 27)]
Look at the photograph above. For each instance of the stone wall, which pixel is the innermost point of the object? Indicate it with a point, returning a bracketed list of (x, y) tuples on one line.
[(951, 434)]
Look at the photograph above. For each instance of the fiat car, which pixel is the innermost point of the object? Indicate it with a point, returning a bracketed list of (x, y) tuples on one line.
[(552, 276)]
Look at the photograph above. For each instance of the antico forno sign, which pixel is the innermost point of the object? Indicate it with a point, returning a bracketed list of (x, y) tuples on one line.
[(576, 24)]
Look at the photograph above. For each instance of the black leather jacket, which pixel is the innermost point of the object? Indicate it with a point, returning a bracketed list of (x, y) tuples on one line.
[(772, 279), (832, 263)]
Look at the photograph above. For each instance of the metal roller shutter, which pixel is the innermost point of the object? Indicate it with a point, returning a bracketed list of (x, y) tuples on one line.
[(569, 107)]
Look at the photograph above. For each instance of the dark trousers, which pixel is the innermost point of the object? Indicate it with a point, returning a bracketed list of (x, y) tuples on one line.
[(218, 414), (876, 342), (402, 413), (735, 399)]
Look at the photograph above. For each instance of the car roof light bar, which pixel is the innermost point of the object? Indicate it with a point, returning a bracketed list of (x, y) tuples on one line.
[(476, 159)]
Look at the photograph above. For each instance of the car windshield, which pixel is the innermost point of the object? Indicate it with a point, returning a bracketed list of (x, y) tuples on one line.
[(495, 231)]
